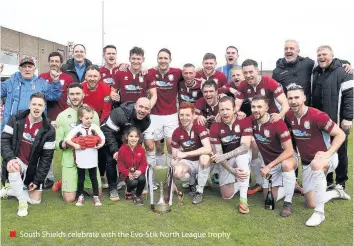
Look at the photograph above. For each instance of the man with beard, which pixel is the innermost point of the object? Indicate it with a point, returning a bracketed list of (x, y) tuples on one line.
[(164, 118), (189, 88), (190, 151), (312, 129), (76, 66), (231, 141), (55, 60), (27, 148), (109, 69), (278, 155), (293, 68), (97, 93), (65, 122), (210, 73), (125, 116), (231, 57), (253, 85)]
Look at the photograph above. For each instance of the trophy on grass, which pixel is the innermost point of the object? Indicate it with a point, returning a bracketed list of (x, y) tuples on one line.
[(164, 178)]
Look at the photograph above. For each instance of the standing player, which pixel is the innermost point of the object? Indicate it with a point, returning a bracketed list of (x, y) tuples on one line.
[(190, 151), (132, 85), (209, 72), (109, 69), (190, 87), (55, 60), (231, 57), (163, 116), (253, 85), (312, 129), (231, 140), (274, 143)]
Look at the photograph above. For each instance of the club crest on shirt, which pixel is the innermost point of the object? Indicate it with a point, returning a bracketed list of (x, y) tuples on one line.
[(103, 75), (170, 77), (249, 91), (307, 124), (192, 134), (263, 92), (292, 123), (139, 154), (237, 128), (194, 93), (222, 131), (156, 76), (126, 78), (181, 137), (267, 133), (62, 82), (141, 79)]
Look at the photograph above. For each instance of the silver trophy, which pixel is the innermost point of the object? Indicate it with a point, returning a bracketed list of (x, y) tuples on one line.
[(162, 175)]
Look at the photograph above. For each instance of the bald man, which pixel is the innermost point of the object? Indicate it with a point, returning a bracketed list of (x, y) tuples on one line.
[(126, 115)]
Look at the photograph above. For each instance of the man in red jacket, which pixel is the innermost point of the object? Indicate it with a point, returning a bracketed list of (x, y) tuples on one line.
[(55, 60)]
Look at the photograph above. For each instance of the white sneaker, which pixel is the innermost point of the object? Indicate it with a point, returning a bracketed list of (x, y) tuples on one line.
[(96, 201), (22, 208), (80, 201), (342, 193), (315, 219)]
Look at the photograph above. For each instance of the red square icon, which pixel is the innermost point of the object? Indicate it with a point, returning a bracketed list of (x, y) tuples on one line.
[(12, 233)]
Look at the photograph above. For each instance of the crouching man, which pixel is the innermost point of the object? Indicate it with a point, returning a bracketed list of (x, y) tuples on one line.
[(27, 148), (190, 151), (231, 139)]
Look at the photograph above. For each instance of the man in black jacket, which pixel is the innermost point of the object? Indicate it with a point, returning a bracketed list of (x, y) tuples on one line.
[(27, 148), (296, 69), (332, 93), (126, 115), (76, 66)]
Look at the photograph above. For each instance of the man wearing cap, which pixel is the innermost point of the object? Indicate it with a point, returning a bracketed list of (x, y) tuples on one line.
[(21, 85)]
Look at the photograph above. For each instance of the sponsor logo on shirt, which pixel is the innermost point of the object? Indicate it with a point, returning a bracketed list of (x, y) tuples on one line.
[(163, 83), (285, 134), (132, 88), (228, 139), (188, 143), (28, 138), (277, 90), (299, 133), (109, 81), (187, 98), (328, 125), (261, 139)]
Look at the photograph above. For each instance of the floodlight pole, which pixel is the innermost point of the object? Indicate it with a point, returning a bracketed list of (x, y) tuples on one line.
[(102, 28)]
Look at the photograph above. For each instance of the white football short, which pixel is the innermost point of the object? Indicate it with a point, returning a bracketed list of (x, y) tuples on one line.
[(164, 125), (307, 173)]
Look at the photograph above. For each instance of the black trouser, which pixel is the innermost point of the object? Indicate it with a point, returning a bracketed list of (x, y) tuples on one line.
[(138, 183), (342, 169), (102, 160), (111, 168), (81, 180)]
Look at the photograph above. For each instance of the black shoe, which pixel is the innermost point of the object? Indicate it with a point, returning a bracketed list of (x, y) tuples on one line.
[(287, 209), (192, 190), (48, 183)]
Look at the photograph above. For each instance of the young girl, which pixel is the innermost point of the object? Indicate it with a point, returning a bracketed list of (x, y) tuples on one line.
[(132, 164), (86, 138)]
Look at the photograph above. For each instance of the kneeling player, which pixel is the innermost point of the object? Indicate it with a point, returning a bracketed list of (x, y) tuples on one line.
[(279, 158), (312, 129), (231, 139), (190, 151)]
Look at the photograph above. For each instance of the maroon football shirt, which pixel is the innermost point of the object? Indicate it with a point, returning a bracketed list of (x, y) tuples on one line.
[(219, 78), (167, 89), (269, 137), (107, 75), (207, 111), (56, 107), (189, 141), (311, 132), (189, 93), (230, 136), (133, 86), (27, 140), (267, 87)]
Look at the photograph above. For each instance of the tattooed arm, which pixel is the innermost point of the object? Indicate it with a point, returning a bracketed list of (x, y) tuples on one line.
[(242, 149)]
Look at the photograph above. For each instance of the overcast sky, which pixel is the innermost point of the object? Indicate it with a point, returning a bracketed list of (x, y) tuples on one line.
[(189, 28)]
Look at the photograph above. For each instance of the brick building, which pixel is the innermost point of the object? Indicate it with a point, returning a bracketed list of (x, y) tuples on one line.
[(15, 45)]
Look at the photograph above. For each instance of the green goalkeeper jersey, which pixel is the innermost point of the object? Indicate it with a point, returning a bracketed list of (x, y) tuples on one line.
[(65, 122)]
